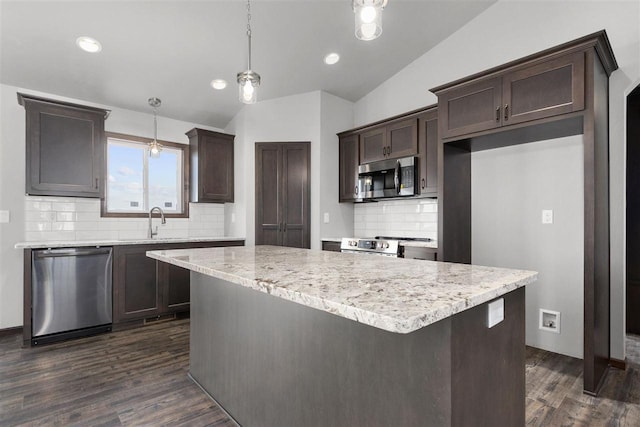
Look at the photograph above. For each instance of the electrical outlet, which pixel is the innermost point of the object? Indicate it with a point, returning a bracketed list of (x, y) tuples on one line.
[(233, 217), (547, 216), (495, 312), (326, 217), (4, 216)]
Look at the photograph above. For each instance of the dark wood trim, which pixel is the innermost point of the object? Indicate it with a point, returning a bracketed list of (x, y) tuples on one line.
[(26, 298), (598, 40), (185, 177), (23, 96), (618, 364), (9, 332)]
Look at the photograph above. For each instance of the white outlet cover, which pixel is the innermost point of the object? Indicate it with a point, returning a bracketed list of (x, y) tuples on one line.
[(495, 312), (326, 217), (4, 216), (547, 216)]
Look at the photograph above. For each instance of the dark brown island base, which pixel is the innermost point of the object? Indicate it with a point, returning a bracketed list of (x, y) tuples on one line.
[(296, 337)]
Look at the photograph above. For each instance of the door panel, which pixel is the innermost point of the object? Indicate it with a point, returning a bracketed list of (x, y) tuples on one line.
[(471, 108), (402, 138), (268, 194), (373, 145), (548, 89), (428, 152), (348, 154), (295, 195)]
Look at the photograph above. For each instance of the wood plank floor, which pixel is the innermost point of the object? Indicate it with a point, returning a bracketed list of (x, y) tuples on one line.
[(139, 377)]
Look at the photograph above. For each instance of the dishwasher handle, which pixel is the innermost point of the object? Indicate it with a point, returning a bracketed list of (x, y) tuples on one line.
[(49, 253)]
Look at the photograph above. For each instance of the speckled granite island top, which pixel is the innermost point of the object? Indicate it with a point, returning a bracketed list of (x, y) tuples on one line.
[(396, 295)]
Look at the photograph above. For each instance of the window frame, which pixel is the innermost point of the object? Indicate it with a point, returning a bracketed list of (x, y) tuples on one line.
[(142, 140)]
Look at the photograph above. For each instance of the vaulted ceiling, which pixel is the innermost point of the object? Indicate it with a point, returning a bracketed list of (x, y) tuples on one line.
[(173, 49)]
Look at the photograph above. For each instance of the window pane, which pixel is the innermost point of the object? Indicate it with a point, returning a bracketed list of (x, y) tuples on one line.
[(125, 190), (164, 178)]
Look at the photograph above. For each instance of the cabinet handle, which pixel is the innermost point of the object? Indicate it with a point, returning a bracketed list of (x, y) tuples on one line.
[(356, 190), (497, 114), (424, 184), (384, 151), (506, 111), (96, 183), (284, 228), (389, 150)]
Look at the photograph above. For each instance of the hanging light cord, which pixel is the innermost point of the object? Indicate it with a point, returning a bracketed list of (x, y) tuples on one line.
[(249, 32), (155, 124)]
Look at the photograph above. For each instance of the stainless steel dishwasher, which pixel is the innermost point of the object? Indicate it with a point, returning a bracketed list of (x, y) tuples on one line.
[(70, 293)]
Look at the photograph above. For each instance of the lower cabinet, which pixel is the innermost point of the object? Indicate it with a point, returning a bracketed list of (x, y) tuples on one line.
[(328, 245), (145, 288), (414, 252)]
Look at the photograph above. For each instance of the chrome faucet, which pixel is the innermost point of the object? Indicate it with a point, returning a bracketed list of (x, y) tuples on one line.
[(152, 233)]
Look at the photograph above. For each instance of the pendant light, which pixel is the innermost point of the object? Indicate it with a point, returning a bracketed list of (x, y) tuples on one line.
[(154, 147), (368, 18), (249, 80)]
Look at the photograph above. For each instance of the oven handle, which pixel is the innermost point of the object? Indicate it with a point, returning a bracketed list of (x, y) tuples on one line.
[(396, 177)]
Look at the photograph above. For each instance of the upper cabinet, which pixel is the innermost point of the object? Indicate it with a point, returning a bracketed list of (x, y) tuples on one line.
[(389, 141), (65, 148), (211, 168), (412, 134), (348, 167), (531, 91)]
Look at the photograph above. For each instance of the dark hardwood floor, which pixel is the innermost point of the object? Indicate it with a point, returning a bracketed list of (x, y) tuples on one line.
[(139, 377)]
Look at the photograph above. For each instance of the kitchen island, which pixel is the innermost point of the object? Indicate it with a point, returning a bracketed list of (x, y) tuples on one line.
[(292, 337)]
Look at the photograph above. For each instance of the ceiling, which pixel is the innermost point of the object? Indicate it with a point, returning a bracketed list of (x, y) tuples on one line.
[(173, 49)]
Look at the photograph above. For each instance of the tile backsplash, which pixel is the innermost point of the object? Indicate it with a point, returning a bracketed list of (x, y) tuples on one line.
[(397, 218), (72, 218)]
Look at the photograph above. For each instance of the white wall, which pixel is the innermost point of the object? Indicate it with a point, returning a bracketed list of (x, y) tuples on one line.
[(510, 188), (512, 29), (13, 199), (292, 118)]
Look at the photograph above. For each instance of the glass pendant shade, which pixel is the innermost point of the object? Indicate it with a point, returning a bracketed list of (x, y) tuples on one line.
[(248, 83), (154, 147), (368, 18)]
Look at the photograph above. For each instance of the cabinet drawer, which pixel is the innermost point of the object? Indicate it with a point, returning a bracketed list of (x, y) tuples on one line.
[(428, 254)]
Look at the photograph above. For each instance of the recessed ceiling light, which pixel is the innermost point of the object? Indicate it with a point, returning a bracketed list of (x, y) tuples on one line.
[(218, 84), (88, 44), (331, 58)]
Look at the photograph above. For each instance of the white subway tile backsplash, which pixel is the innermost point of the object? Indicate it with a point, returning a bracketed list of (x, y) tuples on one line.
[(400, 218), (67, 218)]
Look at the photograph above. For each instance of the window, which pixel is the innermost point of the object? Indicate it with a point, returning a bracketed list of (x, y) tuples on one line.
[(137, 182)]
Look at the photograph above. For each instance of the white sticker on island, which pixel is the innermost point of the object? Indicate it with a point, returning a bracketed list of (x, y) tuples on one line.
[(495, 312)]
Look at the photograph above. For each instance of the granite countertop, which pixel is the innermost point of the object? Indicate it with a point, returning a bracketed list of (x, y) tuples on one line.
[(433, 244), (120, 242), (393, 294)]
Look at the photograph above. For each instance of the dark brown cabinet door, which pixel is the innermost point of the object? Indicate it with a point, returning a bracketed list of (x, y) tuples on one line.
[(269, 216), (295, 195), (373, 145), (348, 168), (282, 194), (471, 108), (428, 152), (135, 283), (544, 90), (176, 282), (64, 148), (211, 168), (402, 138)]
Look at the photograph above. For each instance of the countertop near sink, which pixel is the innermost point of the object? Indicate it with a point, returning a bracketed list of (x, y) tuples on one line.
[(417, 244), (116, 242)]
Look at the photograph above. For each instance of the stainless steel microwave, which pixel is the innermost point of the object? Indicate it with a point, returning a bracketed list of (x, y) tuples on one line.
[(387, 178)]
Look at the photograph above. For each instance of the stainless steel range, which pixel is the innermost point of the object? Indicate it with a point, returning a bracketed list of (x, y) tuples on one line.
[(390, 248)]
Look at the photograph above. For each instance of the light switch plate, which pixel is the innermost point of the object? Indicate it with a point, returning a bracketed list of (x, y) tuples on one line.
[(547, 216), (495, 312), (4, 216), (326, 217)]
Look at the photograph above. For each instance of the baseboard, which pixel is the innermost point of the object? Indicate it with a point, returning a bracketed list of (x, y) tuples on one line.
[(618, 364), (16, 330)]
